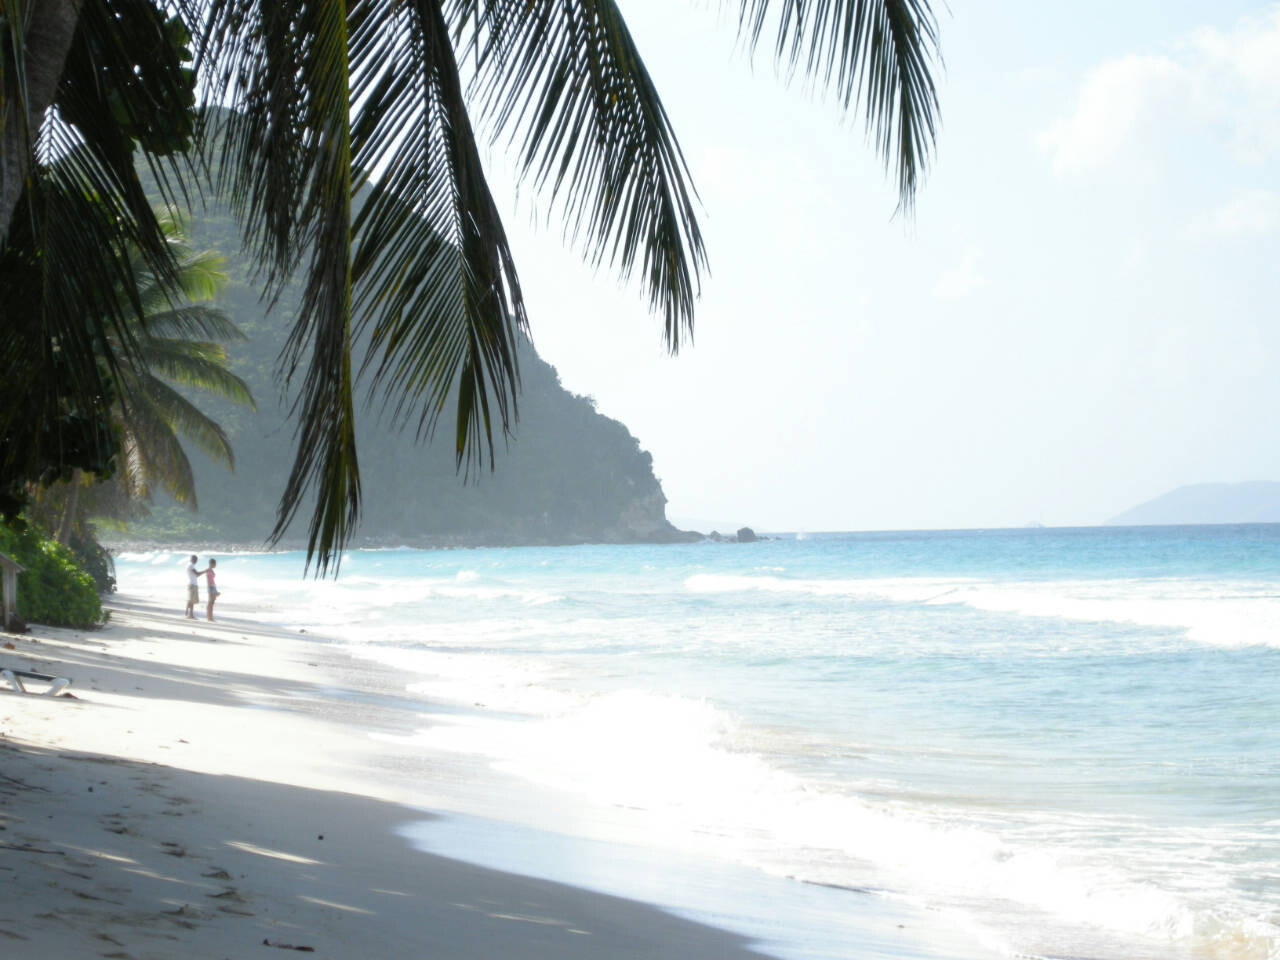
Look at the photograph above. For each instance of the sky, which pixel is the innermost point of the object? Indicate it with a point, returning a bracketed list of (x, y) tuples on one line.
[(1078, 317)]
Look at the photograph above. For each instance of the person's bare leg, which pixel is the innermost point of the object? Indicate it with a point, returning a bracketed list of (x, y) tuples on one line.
[(209, 609)]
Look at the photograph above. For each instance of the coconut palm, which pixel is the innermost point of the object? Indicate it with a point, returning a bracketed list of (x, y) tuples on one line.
[(178, 337), (177, 344), (86, 87), (350, 153)]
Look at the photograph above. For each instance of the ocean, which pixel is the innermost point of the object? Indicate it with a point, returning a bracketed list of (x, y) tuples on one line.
[(1059, 742)]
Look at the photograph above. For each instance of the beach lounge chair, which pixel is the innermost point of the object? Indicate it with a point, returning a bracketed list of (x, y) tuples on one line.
[(15, 677)]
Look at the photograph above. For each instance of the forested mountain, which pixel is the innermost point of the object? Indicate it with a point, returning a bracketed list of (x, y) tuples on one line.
[(568, 475)]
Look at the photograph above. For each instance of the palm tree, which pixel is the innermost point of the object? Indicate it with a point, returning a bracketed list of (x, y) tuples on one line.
[(337, 99), (177, 343), (178, 337)]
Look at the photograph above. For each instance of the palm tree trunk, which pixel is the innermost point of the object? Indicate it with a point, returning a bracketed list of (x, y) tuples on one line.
[(67, 526), (48, 28)]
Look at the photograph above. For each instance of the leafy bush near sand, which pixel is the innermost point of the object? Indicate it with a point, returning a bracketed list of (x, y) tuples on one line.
[(54, 589), (95, 560)]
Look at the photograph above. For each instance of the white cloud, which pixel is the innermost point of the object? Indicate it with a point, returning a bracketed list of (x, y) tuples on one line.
[(1114, 101), (963, 279), (1251, 213), (1221, 85), (1241, 71)]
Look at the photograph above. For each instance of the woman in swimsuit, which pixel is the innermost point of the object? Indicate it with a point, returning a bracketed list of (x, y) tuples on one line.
[(213, 587)]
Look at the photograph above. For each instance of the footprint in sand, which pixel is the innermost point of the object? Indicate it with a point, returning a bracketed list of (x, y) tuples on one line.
[(85, 895), (232, 896), (112, 823), (185, 916)]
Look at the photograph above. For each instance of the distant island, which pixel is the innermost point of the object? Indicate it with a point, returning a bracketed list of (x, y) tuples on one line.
[(1256, 502)]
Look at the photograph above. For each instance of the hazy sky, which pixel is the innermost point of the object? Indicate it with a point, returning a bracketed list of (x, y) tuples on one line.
[(1080, 316)]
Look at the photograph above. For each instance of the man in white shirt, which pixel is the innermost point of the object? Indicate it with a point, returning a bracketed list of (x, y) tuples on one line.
[(193, 588)]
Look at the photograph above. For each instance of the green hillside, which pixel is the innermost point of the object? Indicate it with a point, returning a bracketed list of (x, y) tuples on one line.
[(568, 475)]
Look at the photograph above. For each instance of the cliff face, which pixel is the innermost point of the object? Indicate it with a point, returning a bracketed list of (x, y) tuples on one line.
[(567, 475), (644, 518)]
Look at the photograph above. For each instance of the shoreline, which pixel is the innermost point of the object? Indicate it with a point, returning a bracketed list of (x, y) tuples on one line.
[(217, 786), (673, 535), (177, 808)]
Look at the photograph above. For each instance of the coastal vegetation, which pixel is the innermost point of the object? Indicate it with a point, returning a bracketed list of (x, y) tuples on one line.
[(327, 100), (55, 588), (176, 339)]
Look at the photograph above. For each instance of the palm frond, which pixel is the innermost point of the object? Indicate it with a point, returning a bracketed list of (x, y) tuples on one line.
[(319, 88), (83, 204), (564, 80), (153, 454), (154, 402), (286, 160), (54, 418), (131, 471), (80, 233), (189, 276), (200, 276), (878, 54), (124, 84), (193, 321), (437, 292), (195, 363)]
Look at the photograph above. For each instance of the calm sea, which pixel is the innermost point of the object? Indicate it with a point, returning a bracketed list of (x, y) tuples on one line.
[(1065, 740)]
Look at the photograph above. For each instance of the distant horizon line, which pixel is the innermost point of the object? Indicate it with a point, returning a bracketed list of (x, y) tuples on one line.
[(778, 531)]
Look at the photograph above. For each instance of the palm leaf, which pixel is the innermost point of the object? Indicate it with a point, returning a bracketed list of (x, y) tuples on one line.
[(153, 401), (200, 276), (565, 81), (320, 88), (437, 291), (83, 204), (877, 54), (173, 340), (287, 161), (131, 471), (195, 363), (153, 454), (195, 321)]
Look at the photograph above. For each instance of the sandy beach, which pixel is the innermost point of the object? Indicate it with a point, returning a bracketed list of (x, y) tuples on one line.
[(200, 795)]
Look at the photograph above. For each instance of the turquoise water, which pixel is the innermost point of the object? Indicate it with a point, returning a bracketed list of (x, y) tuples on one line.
[(1065, 739)]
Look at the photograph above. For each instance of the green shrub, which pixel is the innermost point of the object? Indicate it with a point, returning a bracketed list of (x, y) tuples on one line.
[(95, 560), (54, 589)]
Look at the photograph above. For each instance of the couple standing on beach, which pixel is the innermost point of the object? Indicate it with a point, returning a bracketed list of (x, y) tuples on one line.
[(193, 587)]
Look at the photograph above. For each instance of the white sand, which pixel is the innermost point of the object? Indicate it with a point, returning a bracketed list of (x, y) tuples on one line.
[(201, 795)]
